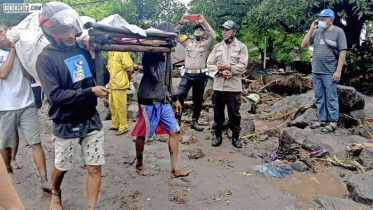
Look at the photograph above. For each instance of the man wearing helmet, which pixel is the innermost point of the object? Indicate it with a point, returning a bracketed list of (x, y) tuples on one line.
[(195, 66), (67, 75), (228, 60), (155, 111)]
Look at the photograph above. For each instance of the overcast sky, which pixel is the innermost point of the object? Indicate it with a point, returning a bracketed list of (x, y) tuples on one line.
[(185, 1)]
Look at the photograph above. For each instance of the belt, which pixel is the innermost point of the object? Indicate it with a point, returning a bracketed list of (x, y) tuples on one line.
[(197, 71)]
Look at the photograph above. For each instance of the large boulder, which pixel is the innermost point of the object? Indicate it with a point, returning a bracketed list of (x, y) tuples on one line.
[(176, 83), (133, 112), (366, 158), (362, 132), (312, 140), (246, 108), (136, 82), (368, 105), (360, 187), (334, 203), (247, 126), (358, 114), (349, 99), (293, 102), (304, 120), (131, 93)]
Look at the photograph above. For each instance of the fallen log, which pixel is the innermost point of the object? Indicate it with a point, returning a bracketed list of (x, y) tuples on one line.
[(248, 136), (285, 115), (290, 85), (274, 81)]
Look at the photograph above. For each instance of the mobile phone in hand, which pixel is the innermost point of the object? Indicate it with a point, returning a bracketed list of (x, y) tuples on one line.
[(192, 18)]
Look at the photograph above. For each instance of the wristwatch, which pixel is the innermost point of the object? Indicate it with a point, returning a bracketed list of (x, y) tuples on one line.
[(180, 23)]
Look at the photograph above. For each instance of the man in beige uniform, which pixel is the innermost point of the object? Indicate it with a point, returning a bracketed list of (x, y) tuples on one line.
[(228, 60), (195, 66)]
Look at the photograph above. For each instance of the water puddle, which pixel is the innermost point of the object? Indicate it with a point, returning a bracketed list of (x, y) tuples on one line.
[(310, 184)]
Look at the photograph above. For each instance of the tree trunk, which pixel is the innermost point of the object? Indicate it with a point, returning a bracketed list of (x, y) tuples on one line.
[(354, 25), (353, 30)]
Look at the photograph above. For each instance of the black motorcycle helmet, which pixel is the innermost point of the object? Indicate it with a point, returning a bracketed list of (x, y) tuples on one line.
[(166, 27), (58, 20)]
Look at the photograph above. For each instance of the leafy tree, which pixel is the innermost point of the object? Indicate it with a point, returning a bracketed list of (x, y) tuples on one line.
[(219, 11), (296, 16)]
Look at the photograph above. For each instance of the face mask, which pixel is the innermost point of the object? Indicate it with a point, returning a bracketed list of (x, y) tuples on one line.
[(198, 37), (228, 41), (323, 25)]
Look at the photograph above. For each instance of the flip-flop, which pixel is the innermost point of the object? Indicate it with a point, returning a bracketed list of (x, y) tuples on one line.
[(328, 129), (119, 133), (113, 129)]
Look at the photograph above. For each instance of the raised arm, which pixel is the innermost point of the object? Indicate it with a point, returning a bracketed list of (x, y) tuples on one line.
[(210, 32), (8, 64), (179, 27), (309, 38)]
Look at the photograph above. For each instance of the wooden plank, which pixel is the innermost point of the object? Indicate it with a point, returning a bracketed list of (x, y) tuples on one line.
[(130, 48)]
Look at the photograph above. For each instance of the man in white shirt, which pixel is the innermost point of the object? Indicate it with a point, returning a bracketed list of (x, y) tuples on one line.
[(17, 109)]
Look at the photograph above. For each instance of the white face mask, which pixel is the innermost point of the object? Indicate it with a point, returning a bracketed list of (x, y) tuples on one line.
[(198, 37), (323, 25)]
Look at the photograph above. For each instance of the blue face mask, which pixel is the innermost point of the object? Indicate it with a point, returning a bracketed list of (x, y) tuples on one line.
[(322, 25)]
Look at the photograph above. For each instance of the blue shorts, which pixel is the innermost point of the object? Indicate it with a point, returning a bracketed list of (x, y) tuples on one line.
[(159, 119)]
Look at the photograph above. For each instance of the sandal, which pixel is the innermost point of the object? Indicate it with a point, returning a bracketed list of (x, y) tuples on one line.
[(113, 129), (119, 133), (328, 129), (315, 125)]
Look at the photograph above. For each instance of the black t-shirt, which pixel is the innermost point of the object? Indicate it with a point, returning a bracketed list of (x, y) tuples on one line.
[(67, 77)]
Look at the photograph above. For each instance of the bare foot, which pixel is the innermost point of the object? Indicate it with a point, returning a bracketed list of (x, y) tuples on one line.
[(46, 186), (180, 173), (15, 165), (56, 202), (141, 170)]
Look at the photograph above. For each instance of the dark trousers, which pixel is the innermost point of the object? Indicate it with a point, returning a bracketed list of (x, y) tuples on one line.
[(233, 102), (198, 82), (39, 96)]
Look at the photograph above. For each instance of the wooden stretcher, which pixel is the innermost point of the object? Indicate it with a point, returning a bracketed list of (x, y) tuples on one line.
[(104, 37)]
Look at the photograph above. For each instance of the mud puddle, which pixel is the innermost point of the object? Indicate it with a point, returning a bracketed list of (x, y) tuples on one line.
[(310, 184)]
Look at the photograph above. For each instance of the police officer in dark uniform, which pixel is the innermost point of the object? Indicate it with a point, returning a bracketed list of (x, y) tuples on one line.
[(194, 73)]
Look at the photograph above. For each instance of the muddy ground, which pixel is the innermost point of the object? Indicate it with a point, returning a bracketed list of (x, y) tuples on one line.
[(217, 181)]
